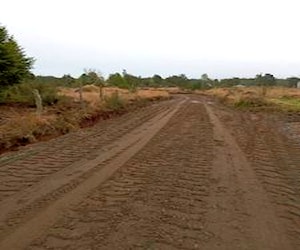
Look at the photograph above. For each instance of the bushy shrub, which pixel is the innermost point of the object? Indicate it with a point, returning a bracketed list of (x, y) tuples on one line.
[(250, 101), (22, 93), (114, 101)]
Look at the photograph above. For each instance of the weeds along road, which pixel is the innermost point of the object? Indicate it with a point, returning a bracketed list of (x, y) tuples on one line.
[(182, 174)]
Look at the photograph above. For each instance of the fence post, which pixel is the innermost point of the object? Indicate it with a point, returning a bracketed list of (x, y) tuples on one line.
[(38, 102), (80, 95)]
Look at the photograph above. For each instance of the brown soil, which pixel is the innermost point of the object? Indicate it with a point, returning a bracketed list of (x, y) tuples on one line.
[(180, 174)]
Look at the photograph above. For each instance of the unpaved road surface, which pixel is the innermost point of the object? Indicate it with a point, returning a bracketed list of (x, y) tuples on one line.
[(182, 174)]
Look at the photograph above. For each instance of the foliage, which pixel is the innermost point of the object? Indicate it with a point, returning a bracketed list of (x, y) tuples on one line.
[(265, 80), (176, 80), (91, 77), (250, 101), (204, 77), (292, 81), (65, 81), (230, 82), (22, 93), (131, 81), (125, 81), (157, 80), (288, 103), (114, 102), (68, 80), (14, 65), (117, 80)]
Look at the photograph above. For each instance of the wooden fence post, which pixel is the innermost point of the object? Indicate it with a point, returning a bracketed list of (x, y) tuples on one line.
[(80, 95), (38, 102)]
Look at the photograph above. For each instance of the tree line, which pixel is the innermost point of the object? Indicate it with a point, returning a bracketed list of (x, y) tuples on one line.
[(130, 81)]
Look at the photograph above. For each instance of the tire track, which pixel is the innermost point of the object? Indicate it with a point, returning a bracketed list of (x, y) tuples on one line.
[(32, 227), (17, 209), (275, 159), (19, 172), (157, 200), (242, 212)]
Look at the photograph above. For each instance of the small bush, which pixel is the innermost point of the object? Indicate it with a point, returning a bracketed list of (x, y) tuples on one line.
[(19, 130), (114, 102), (248, 101), (22, 93), (18, 94), (66, 123)]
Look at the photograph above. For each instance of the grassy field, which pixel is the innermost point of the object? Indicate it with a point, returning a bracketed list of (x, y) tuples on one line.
[(20, 125), (268, 98)]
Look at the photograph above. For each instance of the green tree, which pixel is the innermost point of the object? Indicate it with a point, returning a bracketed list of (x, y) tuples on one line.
[(14, 65), (177, 80), (91, 76), (131, 81), (230, 82), (117, 80), (292, 81), (94, 77), (124, 80), (266, 80), (68, 80), (157, 80), (204, 77)]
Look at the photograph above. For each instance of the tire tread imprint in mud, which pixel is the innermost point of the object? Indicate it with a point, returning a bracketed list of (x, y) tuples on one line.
[(275, 158), (33, 164), (51, 157), (157, 200)]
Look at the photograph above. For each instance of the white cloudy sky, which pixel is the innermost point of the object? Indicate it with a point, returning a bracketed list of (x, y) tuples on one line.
[(223, 38)]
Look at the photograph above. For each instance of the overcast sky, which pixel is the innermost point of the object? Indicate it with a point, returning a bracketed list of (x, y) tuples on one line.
[(223, 38)]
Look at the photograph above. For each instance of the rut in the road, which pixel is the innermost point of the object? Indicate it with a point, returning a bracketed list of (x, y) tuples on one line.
[(37, 206), (276, 160), (19, 171), (156, 200)]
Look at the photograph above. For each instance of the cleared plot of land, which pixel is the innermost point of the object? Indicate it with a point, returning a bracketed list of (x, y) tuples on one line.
[(182, 174)]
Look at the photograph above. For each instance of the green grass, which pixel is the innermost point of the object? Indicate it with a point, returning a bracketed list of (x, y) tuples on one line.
[(288, 103), (250, 102)]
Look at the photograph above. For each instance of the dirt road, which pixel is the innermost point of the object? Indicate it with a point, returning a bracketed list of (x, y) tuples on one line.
[(182, 174)]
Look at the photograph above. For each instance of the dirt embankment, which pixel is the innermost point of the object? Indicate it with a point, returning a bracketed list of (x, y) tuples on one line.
[(181, 174), (20, 125)]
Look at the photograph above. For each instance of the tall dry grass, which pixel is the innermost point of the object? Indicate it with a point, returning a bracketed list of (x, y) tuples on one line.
[(272, 97), (20, 126), (92, 96)]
